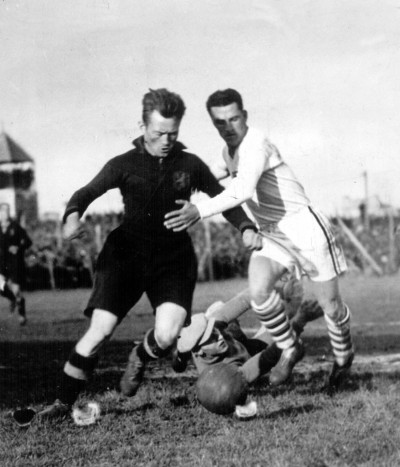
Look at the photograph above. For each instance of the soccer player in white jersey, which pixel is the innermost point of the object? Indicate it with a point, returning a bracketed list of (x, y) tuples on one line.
[(295, 235)]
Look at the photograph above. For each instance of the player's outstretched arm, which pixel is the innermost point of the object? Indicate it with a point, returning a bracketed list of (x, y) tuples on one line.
[(205, 182), (108, 178), (231, 309)]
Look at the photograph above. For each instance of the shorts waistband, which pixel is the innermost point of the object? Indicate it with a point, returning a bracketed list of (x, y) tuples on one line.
[(271, 227)]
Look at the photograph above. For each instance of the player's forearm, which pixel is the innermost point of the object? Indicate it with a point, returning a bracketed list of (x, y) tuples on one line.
[(233, 308), (226, 200), (239, 219), (78, 203), (82, 198)]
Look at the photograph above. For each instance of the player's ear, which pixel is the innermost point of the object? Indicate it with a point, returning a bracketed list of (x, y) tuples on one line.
[(245, 114), (142, 126)]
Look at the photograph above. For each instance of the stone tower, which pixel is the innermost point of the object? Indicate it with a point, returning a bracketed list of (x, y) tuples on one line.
[(17, 180)]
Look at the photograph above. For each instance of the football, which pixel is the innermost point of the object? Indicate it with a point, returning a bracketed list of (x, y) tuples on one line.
[(221, 387), (87, 415)]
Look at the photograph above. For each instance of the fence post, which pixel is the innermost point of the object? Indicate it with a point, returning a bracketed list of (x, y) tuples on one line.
[(50, 257), (354, 240), (59, 238), (366, 201), (392, 241), (98, 238)]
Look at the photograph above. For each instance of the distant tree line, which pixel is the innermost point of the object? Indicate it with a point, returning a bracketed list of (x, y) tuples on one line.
[(54, 263)]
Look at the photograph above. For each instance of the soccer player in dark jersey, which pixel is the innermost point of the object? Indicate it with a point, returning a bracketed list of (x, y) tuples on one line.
[(141, 255), (14, 241)]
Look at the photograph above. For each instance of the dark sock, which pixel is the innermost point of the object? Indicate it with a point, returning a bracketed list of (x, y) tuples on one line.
[(254, 346), (70, 389), (71, 386), (269, 358), (7, 293), (149, 348), (21, 306)]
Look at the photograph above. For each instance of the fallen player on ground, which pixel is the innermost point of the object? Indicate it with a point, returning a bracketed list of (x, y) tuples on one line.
[(216, 336)]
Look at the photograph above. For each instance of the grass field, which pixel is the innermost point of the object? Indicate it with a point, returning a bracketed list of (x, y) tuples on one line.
[(163, 425)]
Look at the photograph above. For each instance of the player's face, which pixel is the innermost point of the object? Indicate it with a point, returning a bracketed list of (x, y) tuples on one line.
[(231, 123), (160, 134), (215, 345)]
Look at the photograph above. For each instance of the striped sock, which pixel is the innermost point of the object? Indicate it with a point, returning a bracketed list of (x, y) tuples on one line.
[(340, 337), (272, 315)]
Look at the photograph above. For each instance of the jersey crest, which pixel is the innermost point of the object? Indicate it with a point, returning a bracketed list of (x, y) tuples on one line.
[(180, 180)]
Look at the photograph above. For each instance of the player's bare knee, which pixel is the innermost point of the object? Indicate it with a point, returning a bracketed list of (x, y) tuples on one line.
[(259, 298), (166, 336), (169, 321), (333, 308), (16, 289)]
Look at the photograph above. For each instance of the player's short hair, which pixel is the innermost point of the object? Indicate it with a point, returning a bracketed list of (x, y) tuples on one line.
[(223, 98), (169, 104)]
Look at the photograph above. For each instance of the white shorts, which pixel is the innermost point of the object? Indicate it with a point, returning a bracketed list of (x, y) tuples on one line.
[(304, 244)]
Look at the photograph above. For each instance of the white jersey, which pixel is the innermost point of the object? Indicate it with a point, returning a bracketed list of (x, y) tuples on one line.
[(260, 178)]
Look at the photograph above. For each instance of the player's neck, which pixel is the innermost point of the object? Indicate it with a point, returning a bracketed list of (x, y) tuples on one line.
[(232, 151)]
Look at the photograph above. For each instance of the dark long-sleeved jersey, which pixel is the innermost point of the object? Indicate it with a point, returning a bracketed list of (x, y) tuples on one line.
[(150, 186), (14, 236)]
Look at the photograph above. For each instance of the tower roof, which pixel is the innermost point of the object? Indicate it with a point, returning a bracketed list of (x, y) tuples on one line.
[(11, 152)]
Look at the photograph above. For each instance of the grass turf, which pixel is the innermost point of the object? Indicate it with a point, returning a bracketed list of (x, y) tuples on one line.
[(297, 424)]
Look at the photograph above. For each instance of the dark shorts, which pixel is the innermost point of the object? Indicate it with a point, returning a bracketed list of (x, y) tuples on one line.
[(166, 271), (13, 268)]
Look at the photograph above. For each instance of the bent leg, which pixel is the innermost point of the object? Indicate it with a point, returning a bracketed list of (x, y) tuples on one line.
[(82, 361), (5, 291), (263, 362), (170, 319), (157, 343), (337, 317), (270, 309), (19, 301), (267, 303)]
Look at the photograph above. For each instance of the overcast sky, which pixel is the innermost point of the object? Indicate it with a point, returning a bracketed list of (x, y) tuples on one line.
[(322, 77)]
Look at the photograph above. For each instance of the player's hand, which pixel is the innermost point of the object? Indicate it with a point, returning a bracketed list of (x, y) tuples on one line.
[(73, 228), (252, 240), (183, 218), (13, 249)]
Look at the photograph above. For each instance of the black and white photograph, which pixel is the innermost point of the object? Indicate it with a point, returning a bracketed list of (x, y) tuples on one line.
[(199, 233)]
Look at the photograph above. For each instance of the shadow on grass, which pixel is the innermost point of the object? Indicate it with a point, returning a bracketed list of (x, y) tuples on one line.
[(141, 408), (30, 371), (290, 411)]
